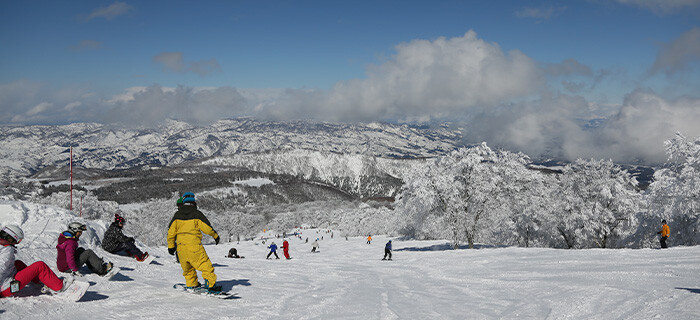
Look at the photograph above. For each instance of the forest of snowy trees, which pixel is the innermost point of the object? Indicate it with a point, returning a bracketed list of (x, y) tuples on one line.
[(470, 196)]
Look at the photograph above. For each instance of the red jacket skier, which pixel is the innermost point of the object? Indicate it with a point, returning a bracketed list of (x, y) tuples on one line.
[(14, 273), (285, 248)]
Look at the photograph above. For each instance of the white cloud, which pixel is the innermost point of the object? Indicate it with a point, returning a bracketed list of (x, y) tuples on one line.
[(84, 45), (676, 56), (539, 13), (663, 6), (110, 12), (424, 79), (174, 61)]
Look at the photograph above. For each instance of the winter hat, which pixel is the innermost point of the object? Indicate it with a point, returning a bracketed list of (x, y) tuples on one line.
[(179, 202), (663, 221), (119, 219), (188, 197), (14, 232)]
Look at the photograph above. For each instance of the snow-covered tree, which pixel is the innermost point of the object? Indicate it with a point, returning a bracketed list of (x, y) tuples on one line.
[(675, 193), (597, 202), (461, 192)]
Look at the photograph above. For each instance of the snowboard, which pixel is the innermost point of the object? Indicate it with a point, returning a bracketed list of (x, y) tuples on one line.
[(148, 259), (74, 292), (111, 273), (203, 292)]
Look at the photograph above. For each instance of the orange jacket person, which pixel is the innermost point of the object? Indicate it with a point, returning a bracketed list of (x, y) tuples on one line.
[(665, 232), (186, 228)]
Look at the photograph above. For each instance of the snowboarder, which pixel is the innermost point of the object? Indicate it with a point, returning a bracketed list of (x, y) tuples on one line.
[(71, 257), (116, 242), (273, 249), (369, 239), (285, 249), (314, 245), (233, 253), (15, 275), (185, 232), (387, 250), (665, 232)]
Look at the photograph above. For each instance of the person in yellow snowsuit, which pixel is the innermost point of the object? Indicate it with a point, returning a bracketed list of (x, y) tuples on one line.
[(185, 234)]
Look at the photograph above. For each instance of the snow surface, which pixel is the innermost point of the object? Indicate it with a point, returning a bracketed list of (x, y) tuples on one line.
[(347, 279)]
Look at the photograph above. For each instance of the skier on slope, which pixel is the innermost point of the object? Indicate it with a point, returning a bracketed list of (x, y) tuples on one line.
[(369, 239), (387, 250), (71, 257), (285, 249), (314, 245), (665, 232), (273, 249), (15, 275), (185, 231), (116, 242)]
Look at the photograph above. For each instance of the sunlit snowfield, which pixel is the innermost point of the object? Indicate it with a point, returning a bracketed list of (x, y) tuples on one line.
[(426, 280)]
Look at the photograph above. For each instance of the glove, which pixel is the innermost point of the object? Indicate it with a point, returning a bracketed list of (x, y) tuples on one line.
[(216, 240), (171, 251), (131, 239), (658, 232)]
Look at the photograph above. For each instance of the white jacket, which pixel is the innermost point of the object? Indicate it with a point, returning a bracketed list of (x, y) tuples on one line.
[(7, 266)]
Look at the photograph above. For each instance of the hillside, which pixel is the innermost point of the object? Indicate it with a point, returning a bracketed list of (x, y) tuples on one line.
[(347, 279)]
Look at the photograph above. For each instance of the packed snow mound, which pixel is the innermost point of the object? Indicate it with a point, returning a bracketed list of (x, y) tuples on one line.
[(42, 224)]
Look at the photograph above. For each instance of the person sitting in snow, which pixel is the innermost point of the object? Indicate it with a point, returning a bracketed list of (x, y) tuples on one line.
[(273, 249), (71, 257), (185, 234), (15, 275), (116, 242), (233, 253)]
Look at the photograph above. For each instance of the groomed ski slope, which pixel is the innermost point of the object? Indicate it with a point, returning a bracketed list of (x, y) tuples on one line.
[(348, 280)]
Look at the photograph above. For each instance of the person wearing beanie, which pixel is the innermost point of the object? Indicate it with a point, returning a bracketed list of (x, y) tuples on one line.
[(15, 274), (185, 233), (117, 243)]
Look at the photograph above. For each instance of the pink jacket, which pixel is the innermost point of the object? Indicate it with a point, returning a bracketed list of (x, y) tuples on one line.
[(66, 252)]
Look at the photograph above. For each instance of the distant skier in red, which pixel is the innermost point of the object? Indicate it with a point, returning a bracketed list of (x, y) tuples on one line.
[(285, 248)]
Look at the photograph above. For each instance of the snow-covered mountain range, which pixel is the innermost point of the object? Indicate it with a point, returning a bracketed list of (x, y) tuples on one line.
[(28, 149)]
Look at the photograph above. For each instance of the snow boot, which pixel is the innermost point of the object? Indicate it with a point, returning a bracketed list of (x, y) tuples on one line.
[(212, 289), (107, 268), (142, 257), (67, 281)]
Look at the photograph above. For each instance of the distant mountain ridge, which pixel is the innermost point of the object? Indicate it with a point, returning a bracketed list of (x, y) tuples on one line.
[(28, 149)]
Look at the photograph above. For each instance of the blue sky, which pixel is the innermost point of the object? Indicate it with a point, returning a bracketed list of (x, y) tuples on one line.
[(497, 61)]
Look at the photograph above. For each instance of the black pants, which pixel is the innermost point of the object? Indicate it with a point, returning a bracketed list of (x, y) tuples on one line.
[(387, 252), (663, 242), (88, 257), (271, 252)]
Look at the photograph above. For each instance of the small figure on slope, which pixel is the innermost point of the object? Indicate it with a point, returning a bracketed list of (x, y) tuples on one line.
[(369, 239), (314, 245), (233, 253), (285, 249), (387, 250), (15, 275), (71, 257), (186, 228), (116, 242), (665, 232), (273, 249)]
